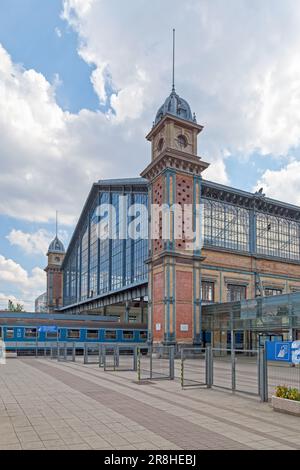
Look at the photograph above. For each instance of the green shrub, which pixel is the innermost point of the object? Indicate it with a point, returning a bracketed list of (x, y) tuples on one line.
[(282, 391)]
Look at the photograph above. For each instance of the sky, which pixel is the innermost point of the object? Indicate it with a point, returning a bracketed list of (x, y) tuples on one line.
[(82, 80)]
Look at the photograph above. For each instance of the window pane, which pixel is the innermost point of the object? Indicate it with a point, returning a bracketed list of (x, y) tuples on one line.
[(207, 291), (127, 334), (110, 334), (236, 292), (92, 334), (30, 333), (226, 225), (75, 334)]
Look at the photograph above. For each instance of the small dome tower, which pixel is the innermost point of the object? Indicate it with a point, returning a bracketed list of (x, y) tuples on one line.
[(56, 254)]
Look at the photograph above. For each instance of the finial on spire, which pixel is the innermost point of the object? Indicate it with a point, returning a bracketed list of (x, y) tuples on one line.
[(56, 223), (173, 76)]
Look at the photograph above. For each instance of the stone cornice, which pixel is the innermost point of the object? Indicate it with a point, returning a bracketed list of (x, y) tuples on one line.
[(175, 160)]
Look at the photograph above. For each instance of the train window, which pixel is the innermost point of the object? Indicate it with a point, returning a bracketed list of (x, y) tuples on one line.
[(73, 334), (10, 333), (127, 334), (30, 333), (92, 334), (51, 334), (143, 335), (110, 334)]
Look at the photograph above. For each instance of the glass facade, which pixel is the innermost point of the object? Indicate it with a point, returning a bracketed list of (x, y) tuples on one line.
[(236, 228), (95, 266), (98, 265), (226, 225), (263, 314), (277, 236)]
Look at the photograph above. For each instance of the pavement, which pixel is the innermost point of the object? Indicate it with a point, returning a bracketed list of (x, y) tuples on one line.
[(45, 404)]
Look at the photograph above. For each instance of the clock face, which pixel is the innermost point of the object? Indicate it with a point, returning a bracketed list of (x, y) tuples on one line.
[(181, 142)]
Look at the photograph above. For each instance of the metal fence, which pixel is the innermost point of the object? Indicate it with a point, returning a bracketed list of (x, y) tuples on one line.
[(236, 370), (194, 367), (93, 353), (156, 363), (282, 374)]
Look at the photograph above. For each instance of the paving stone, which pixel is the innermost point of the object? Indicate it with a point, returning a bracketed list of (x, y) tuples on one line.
[(45, 404)]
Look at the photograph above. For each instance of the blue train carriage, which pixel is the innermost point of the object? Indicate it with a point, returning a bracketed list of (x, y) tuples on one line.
[(25, 331)]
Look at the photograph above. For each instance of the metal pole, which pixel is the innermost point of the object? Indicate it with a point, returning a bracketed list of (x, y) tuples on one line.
[(139, 364), (151, 364), (85, 354), (172, 362), (74, 352), (135, 349), (99, 354), (117, 349), (263, 375), (182, 368), (233, 376), (209, 366)]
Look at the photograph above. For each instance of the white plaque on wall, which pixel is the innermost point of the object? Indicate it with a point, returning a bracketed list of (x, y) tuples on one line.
[(184, 327), (158, 326)]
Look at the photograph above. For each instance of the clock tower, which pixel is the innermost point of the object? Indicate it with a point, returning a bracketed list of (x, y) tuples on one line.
[(174, 175), (56, 254)]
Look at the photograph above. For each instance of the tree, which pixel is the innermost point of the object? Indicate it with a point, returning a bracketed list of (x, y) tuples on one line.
[(15, 307)]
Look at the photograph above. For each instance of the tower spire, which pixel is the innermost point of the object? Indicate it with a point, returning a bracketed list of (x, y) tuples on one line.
[(173, 75), (56, 224)]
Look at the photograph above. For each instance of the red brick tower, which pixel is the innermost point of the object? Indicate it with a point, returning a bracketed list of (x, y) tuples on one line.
[(56, 253), (174, 175)]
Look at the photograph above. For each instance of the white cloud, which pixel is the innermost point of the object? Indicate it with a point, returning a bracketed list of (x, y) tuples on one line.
[(236, 63), (36, 243), (283, 184), (30, 285), (33, 243)]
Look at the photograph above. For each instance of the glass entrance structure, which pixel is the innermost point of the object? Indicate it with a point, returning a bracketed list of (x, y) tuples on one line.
[(249, 322)]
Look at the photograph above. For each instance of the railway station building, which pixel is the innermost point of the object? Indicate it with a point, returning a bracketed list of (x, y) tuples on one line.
[(250, 247)]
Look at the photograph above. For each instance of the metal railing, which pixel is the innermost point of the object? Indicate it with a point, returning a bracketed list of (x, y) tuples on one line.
[(156, 363), (194, 367)]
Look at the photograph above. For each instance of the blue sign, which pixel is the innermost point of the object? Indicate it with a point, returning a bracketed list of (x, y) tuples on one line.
[(48, 329), (279, 351)]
